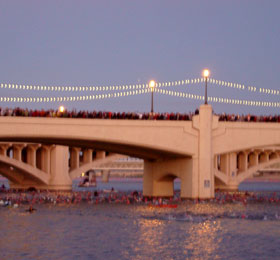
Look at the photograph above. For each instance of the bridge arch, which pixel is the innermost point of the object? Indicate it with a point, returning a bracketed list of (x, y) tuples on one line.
[(168, 176), (249, 173), (18, 172), (168, 180), (230, 169)]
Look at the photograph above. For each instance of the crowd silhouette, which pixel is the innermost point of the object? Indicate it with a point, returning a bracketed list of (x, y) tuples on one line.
[(20, 112), (93, 114)]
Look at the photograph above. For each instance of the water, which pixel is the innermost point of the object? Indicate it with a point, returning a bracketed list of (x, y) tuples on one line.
[(205, 230)]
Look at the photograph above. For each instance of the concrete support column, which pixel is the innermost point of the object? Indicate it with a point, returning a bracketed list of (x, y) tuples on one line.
[(100, 154), (87, 156), (243, 161), (224, 164), (148, 179), (74, 158), (17, 153), (232, 165), (157, 181), (253, 159), (31, 154), (206, 174), (232, 172), (17, 149), (264, 157), (59, 172), (4, 148), (46, 159), (229, 164), (273, 155), (105, 176), (215, 162), (189, 177)]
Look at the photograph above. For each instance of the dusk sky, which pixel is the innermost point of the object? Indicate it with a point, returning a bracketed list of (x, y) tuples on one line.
[(102, 43)]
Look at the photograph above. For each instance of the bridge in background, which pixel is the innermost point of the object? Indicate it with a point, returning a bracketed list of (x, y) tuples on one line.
[(204, 153)]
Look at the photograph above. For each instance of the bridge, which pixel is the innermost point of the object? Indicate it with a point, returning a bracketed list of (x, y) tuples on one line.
[(48, 153), (205, 153)]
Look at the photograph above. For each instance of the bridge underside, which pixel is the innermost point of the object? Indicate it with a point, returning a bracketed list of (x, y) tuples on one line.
[(159, 175), (143, 152)]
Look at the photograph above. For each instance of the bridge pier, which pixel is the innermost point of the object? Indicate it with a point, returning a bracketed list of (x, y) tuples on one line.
[(59, 173), (158, 179), (206, 184), (196, 173)]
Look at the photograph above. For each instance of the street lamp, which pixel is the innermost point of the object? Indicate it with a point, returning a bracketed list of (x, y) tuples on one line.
[(61, 109), (206, 74), (152, 85)]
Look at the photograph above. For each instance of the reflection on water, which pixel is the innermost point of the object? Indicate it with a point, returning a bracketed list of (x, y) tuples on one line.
[(205, 234), (117, 231), (205, 230)]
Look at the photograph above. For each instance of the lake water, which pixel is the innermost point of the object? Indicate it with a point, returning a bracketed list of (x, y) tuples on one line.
[(215, 229)]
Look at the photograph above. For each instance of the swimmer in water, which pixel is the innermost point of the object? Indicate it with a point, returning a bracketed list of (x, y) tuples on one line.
[(31, 209)]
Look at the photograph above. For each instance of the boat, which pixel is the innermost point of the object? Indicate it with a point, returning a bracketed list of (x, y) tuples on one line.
[(88, 179)]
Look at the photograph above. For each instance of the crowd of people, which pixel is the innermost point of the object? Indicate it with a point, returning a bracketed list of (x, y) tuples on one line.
[(131, 115), (248, 118), (93, 114), (30, 201), (11, 197)]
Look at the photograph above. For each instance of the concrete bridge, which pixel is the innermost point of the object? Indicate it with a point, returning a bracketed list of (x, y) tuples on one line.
[(204, 153)]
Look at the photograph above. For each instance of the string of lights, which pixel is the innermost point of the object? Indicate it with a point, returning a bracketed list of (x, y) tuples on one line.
[(139, 86), (99, 88), (138, 92), (243, 87), (72, 89), (72, 98), (231, 101)]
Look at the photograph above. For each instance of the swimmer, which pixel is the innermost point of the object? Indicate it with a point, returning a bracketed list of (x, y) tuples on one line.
[(31, 209)]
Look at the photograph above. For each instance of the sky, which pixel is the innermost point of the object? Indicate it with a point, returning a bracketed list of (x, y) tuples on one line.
[(121, 42)]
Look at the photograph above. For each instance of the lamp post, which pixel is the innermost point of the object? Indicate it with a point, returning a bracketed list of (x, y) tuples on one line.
[(61, 109), (206, 74), (152, 85)]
